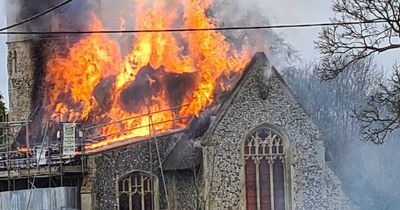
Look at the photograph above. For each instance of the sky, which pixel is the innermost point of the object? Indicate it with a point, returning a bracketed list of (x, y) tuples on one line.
[(3, 54), (300, 11), (312, 11), (279, 12)]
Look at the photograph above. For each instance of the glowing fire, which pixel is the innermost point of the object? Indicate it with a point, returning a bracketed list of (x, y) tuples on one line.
[(74, 78), (23, 149)]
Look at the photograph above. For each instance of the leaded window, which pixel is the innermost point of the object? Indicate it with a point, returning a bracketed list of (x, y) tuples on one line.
[(137, 191), (265, 159)]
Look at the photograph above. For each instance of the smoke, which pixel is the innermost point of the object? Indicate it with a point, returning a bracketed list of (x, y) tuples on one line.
[(369, 173), (73, 16), (119, 14), (255, 13), (12, 11), (76, 15)]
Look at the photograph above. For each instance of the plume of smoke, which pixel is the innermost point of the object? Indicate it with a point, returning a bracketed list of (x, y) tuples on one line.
[(255, 13), (12, 9), (72, 16)]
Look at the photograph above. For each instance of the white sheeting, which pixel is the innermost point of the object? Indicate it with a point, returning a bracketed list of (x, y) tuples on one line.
[(60, 198)]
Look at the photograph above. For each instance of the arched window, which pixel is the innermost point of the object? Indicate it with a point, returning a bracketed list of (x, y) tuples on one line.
[(14, 62), (265, 163), (137, 191)]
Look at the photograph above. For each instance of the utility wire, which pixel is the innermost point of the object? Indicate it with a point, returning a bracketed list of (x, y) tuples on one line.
[(37, 15), (170, 30)]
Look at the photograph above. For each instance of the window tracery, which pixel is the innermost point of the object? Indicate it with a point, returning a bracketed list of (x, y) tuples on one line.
[(265, 163), (137, 191)]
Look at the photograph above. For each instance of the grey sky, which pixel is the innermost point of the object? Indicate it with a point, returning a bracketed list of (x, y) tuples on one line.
[(3, 54), (301, 11), (312, 11)]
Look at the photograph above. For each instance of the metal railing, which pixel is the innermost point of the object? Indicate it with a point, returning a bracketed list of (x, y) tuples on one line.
[(30, 158), (28, 162), (93, 134)]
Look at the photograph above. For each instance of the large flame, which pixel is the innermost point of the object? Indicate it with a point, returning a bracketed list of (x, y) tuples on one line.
[(72, 79)]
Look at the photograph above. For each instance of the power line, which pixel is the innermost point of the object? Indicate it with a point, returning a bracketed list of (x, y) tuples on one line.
[(36, 16), (171, 30)]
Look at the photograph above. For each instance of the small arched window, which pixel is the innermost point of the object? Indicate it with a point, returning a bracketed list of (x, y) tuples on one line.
[(14, 62), (137, 191), (265, 161)]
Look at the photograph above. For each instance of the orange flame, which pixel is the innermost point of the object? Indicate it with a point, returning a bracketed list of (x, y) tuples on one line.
[(23, 149), (73, 78)]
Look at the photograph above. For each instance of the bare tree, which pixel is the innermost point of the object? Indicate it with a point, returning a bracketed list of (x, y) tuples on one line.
[(379, 32), (353, 42), (381, 115)]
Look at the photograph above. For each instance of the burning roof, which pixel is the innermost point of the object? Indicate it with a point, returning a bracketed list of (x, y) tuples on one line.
[(153, 83), (186, 153)]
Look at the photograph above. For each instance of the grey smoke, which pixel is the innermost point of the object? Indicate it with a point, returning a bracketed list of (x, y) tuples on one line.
[(71, 17), (369, 173)]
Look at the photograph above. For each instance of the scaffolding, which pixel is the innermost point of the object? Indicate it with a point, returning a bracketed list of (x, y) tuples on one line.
[(44, 165), (34, 166)]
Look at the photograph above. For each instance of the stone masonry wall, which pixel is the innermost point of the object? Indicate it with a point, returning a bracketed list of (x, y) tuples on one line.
[(314, 186), (21, 68), (120, 161), (26, 70), (182, 190)]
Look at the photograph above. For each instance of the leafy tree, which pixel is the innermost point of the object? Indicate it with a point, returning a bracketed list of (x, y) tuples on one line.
[(2, 117), (345, 44), (2, 108)]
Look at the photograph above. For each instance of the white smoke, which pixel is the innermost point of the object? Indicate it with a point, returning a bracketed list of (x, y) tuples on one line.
[(256, 13)]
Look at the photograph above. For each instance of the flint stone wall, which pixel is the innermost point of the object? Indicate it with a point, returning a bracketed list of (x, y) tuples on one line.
[(21, 69), (313, 184), (26, 66), (117, 162)]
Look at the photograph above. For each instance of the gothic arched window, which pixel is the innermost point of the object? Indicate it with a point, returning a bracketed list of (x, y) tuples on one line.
[(265, 161), (137, 191)]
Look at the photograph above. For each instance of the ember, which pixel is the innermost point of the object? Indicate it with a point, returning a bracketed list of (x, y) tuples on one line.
[(95, 83)]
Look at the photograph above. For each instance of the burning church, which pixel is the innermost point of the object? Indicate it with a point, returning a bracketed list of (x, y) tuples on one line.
[(189, 120)]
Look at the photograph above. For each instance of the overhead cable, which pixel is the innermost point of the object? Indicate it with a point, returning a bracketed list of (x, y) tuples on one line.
[(36, 16), (173, 30)]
